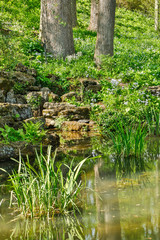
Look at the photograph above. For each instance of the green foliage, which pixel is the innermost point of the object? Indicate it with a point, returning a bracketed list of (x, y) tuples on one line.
[(31, 46), (45, 190), (26, 12), (35, 101), (146, 6), (32, 133), (9, 134), (127, 104), (135, 64), (19, 88)]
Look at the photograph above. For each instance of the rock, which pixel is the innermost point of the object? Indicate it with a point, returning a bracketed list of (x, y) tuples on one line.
[(15, 98), (50, 113), (84, 121), (6, 151), (14, 112), (21, 68), (5, 83), (50, 123), (33, 88), (2, 96), (45, 93), (77, 113), (90, 85), (155, 90), (53, 97), (35, 120), (20, 99), (94, 88), (23, 78), (74, 126), (69, 96), (10, 97), (27, 149), (51, 139), (58, 106), (36, 101), (88, 82), (32, 71)]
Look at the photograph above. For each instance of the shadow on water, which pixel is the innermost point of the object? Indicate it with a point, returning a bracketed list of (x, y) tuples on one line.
[(122, 199)]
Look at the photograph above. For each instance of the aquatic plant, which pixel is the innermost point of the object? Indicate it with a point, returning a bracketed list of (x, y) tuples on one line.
[(128, 140), (153, 120), (44, 190)]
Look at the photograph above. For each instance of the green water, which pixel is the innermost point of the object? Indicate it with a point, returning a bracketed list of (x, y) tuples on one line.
[(122, 200)]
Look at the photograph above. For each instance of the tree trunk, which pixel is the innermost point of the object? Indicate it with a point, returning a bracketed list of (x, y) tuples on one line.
[(94, 15), (105, 31), (40, 27), (74, 13), (156, 15), (56, 27)]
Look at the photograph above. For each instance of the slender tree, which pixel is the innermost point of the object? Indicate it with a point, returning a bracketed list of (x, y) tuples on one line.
[(156, 15), (56, 27), (74, 13), (105, 31), (94, 15)]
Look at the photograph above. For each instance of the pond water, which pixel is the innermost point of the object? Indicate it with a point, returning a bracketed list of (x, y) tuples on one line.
[(122, 200)]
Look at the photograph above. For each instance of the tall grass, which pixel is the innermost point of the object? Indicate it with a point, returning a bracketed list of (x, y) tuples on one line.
[(128, 140), (153, 121), (45, 190)]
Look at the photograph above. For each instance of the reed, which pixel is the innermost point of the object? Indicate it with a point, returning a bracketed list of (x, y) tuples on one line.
[(128, 140), (153, 120), (45, 190)]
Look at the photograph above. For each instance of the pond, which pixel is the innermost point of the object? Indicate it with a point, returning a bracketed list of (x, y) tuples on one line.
[(122, 200)]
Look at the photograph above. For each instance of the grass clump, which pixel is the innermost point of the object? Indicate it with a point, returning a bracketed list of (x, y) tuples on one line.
[(128, 140), (45, 190)]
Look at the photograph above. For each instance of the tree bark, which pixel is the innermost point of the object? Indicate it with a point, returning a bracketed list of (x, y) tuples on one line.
[(74, 13), (94, 15), (40, 27), (56, 27), (156, 15), (105, 31)]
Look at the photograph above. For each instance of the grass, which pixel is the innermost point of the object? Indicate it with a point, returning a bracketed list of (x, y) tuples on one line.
[(128, 140), (44, 190)]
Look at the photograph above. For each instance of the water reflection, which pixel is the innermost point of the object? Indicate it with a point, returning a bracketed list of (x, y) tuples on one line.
[(107, 205), (60, 229), (122, 201)]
